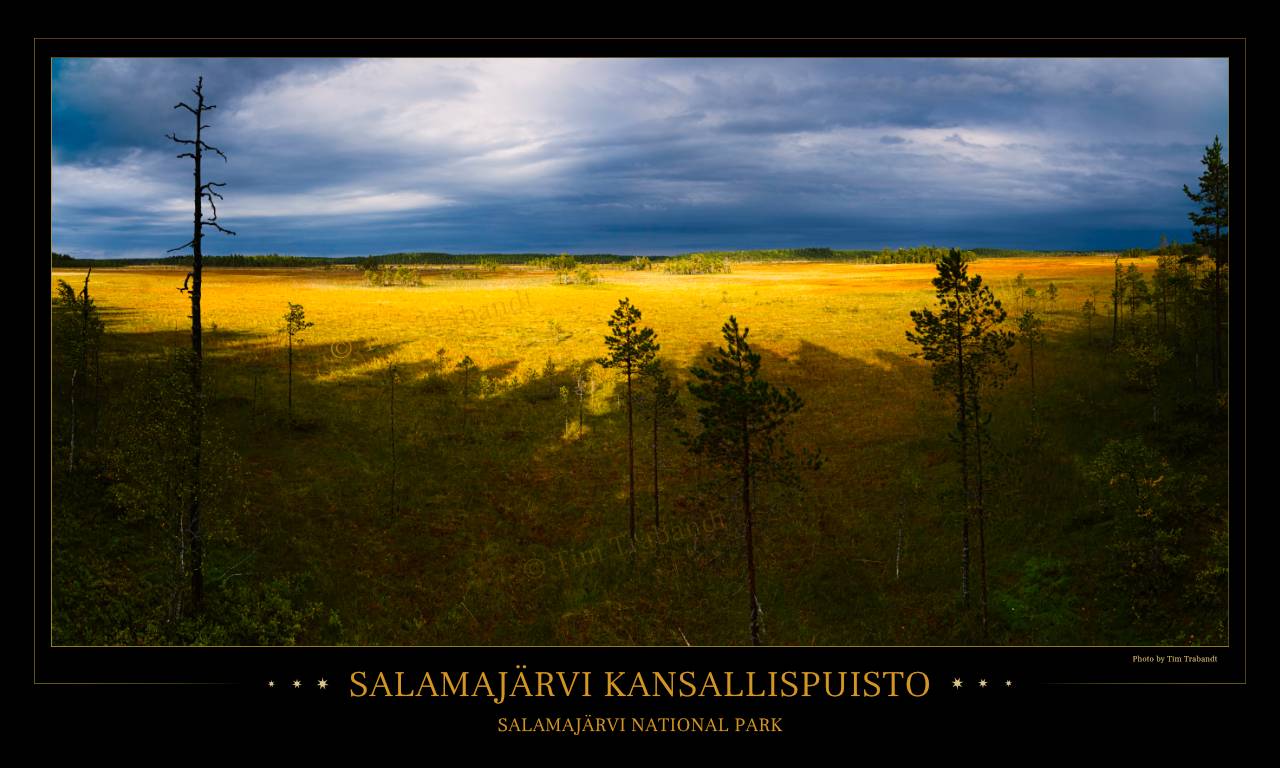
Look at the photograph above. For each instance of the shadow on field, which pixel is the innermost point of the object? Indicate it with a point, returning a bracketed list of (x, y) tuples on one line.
[(478, 509)]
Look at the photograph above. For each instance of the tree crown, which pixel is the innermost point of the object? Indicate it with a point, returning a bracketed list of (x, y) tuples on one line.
[(963, 339), (737, 405), (1212, 219), (295, 320), (630, 347)]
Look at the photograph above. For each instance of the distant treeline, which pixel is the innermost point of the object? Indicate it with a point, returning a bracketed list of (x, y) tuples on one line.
[(275, 260), (924, 254)]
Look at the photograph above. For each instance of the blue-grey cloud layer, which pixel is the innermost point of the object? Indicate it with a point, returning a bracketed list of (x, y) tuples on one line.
[(644, 156)]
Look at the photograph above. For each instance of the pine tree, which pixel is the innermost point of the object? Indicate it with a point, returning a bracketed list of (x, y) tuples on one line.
[(664, 403), (78, 328), (743, 420), (295, 322), (631, 348), (969, 352), (1089, 310), (1212, 224), (1031, 331), (1136, 294), (1117, 295)]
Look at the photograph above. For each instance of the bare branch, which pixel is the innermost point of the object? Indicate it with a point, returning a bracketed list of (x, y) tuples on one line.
[(184, 245), (186, 154), (185, 283), (218, 227), (213, 184), (173, 137), (212, 148), (185, 106), (206, 195)]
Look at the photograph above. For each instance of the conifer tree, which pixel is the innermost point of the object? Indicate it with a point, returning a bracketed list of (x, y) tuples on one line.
[(1212, 222), (1031, 331), (663, 403), (743, 426), (295, 322), (1117, 295), (78, 329), (631, 348), (1136, 294), (969, 353), (1089, 310)]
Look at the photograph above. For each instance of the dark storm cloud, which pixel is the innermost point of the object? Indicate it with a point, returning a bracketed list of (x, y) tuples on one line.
[(350, 157)]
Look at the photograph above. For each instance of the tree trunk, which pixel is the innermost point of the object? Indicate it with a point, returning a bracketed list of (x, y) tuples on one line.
[(1217, 320), (290, 377), (97, 385), (197, 378), (981, 510), (631, 463), (83, 368), (1115, 307), (657, 520), (746, 513), (962, 424), (1035, 420), (393, 441)]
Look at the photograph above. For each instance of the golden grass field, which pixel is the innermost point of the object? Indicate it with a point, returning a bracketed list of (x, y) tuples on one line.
[(853, 310), (475, 550)]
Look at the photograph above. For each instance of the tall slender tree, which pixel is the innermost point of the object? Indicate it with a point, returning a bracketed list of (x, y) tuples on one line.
[(202, 191), (631, 348), (989, 367), (1136, 294), (295, 322), (1213, 222), (744, 421), (78, 331), (1117, 295), (1031, 331), (968, 351), (664, 403), (1089, 310)]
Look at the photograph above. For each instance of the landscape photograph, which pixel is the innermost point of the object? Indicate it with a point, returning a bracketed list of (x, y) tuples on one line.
[(654, 351)]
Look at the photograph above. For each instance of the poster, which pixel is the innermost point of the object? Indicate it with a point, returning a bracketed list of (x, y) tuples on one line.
[(597, 387)]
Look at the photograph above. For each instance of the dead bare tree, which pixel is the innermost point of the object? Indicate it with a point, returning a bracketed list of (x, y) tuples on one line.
[(192, 286)]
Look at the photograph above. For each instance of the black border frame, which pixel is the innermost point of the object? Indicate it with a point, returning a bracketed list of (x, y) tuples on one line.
[(222, 676)]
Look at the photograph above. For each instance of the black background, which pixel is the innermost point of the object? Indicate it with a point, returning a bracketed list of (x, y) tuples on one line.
[(103, 680)]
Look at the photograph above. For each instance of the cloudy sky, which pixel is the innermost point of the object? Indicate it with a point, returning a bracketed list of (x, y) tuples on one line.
[(349, 157)]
